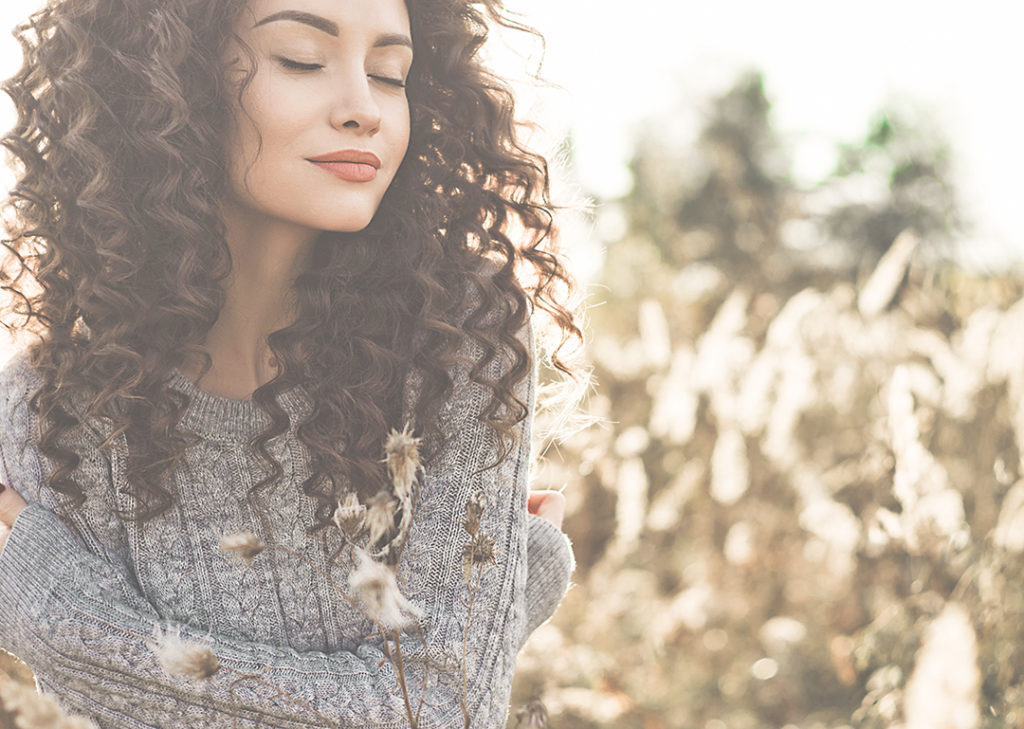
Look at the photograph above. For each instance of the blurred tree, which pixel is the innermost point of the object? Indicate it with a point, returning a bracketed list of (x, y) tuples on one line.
[(727, 199), (898, 176), (724, 202)]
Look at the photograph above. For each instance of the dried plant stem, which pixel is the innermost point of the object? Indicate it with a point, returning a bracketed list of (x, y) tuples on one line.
[(284, 694), (426, 667), (234, 719), (396, 660), (473, 589)]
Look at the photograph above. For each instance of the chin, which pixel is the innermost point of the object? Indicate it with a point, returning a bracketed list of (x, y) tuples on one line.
[(346, 228), (340, 217), (348, 224)]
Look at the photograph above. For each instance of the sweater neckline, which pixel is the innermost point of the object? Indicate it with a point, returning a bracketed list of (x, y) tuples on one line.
[(223, 418)]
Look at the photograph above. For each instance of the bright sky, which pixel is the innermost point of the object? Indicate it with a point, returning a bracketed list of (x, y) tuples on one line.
[(828, 67)]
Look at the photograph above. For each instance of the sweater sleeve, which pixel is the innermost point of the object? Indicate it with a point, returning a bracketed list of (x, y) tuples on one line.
[(88, 634), (551, 562)]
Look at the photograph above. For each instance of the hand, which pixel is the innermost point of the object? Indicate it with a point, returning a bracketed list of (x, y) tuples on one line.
[(11, 505), (548, 505)]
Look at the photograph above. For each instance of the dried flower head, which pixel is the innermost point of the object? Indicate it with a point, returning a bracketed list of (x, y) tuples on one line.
[(533, 715), (477, 551), (381, 517), (182, 658), (376, 587), (33, 710), (244, 545), (350, 516), (402, 455), (474, 510)]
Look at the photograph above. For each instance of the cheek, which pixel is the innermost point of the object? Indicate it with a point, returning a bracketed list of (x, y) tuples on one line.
[(272, 112), (402, 127), (262, 131)]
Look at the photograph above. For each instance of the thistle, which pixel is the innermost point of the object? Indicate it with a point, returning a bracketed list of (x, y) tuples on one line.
[(244, 545), (350, 516), (403, 459), (479, 550), (372, 584)]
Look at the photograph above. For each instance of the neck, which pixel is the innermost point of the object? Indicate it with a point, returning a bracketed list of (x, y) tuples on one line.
[(267, 256)]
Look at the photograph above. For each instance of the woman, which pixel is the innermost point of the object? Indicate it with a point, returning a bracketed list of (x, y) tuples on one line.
[(265, 235)]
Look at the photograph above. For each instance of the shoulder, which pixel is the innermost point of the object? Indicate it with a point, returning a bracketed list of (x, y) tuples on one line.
[(481, 356), (18, 382), (19, 460), (22, 464), (486, 353), (490, 306), (17, 368)]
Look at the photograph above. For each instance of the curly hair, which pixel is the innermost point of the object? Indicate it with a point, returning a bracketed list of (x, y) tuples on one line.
[(121, 138)]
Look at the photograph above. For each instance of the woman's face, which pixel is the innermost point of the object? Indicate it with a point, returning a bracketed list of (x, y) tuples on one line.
[(328, 83)]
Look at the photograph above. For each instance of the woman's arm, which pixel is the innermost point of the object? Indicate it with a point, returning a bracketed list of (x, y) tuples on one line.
[(550, 557), (67, 612)]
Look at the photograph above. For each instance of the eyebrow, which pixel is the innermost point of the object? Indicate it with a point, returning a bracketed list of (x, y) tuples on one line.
[(331, 28)]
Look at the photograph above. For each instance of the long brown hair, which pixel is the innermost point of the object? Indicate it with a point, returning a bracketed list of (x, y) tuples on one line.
[(120, 140)]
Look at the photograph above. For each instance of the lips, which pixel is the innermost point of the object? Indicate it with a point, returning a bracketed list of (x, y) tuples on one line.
[(356, 156), (350, 171), (353, 165)]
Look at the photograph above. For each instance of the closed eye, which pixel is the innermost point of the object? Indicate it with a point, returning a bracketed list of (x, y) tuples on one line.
[(295, 65), (397, 82)]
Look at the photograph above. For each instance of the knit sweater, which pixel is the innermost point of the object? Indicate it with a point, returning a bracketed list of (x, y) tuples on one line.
[(84, 597)]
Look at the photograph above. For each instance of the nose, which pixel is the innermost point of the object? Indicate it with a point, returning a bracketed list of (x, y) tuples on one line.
[(354, 106)]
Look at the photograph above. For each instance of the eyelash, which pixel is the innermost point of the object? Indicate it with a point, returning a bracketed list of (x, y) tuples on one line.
[(296, 66)]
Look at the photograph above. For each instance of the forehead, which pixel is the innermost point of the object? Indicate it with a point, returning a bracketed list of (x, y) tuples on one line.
[(344, 16)]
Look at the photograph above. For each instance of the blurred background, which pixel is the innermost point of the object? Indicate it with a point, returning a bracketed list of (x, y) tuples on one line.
[(796, 229)]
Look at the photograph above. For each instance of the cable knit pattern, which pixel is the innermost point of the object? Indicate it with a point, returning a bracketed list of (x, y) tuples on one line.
[(81, 600)]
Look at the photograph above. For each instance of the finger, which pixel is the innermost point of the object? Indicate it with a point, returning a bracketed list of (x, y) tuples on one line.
[(535, 499), (552, 508)]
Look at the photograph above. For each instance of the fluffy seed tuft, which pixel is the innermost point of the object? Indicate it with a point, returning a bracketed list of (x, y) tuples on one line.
[(244, 545), (381, 517), (181, 658), (375, 586), (33, 710)]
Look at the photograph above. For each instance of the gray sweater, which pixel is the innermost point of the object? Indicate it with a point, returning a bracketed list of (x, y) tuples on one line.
[(83, 597)]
